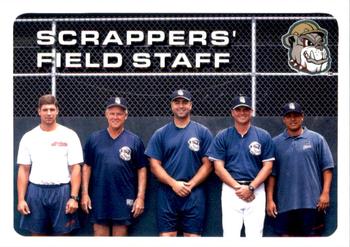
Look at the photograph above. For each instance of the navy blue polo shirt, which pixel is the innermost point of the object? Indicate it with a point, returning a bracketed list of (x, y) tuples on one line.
[(180, 149), (243, 155), (114, 164), (299, 164)]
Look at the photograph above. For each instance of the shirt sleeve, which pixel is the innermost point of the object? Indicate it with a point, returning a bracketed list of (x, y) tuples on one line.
[(268, 150), (207, 140), (23, 155), (75, 152), (217, 149), (325, 155), (88, 152), (140, 157), (275, 162), (154, 149)]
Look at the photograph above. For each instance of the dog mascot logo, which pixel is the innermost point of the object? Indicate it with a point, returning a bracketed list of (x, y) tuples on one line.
[(307, 45), (125, 153), (193, 144), (255, 148)]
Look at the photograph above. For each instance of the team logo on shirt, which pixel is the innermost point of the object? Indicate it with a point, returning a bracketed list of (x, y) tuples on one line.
[(125, 153), (307, 145), (193, 144), (255, 148), (59, 144)]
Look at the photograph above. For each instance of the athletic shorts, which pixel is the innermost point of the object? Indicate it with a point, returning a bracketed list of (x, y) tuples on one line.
[(47, 204), (300, 222), (175, 213), (110, 222)]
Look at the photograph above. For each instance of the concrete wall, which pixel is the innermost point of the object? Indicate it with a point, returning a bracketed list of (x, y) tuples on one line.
[(144, 127)]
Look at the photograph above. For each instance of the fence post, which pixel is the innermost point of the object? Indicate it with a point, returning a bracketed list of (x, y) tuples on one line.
[(53, 68), (254, 65)]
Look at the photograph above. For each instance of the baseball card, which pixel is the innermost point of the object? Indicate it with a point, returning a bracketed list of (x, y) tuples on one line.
[(84, 53)]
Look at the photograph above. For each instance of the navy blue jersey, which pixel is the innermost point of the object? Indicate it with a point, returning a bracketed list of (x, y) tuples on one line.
[(180, 149), (243, 155), (299, 164), (114, 164)]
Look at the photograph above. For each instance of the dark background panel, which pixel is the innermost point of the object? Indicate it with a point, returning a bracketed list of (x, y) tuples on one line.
[(318, 95), (148, 96), (26, 94), (239, 47), (24, 35)]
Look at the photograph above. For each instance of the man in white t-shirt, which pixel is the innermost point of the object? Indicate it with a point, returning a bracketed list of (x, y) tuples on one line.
[(48, 182)]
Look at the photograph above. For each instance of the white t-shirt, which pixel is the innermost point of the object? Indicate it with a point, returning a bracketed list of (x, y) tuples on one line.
[(50, 153)]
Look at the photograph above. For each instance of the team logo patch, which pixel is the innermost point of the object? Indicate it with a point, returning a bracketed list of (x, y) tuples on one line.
[(307, 145), (255, 148), (125, 153), (291, 106), (307, 45), (117, 100), (193, 144), (241, 99)]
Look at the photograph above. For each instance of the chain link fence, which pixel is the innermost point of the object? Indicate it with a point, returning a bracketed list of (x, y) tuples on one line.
[(259, 66)]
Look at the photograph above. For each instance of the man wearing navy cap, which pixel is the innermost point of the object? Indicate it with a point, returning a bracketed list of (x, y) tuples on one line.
[(301, 177), (115, 172), (243, 156), (177, 153)]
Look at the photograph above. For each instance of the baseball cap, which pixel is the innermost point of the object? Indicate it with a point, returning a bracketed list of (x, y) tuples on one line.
[(292, 107), (181, 93), (117, 101), (241, 101)]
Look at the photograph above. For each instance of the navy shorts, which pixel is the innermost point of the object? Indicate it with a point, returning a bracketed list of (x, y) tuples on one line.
[(47, 204), (300, 222), (110, 222), (181, 213)]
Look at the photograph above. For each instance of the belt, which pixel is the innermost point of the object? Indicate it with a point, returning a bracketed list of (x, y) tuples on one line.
[(244, 182)]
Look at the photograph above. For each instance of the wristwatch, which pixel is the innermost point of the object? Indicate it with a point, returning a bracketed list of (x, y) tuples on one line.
[(76, 198), (251, 188)]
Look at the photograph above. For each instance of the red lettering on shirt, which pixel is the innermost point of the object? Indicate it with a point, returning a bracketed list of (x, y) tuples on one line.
[(59, 144)]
